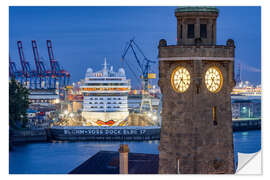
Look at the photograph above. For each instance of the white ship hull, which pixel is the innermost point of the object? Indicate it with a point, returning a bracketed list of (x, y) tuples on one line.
[(105, 97), (105, 118)]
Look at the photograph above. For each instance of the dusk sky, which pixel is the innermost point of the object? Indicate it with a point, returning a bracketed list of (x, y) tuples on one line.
[(83, 36)]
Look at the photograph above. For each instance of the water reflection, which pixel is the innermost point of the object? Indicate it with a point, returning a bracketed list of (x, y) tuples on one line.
[(62, 157)]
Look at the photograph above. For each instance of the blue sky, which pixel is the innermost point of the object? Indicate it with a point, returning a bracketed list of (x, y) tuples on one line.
[(83, 36)]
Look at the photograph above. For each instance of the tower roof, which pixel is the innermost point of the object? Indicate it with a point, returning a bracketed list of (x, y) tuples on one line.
[(196, 9)]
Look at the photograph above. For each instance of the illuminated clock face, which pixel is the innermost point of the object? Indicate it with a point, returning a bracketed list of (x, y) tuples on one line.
[(180, 79), (213, 79)]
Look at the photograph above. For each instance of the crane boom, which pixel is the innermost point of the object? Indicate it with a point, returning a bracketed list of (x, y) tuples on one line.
[(26, 68), (21, 55), (144, 64), (62, 75), (12, 68), (36, 57), (51, 56)]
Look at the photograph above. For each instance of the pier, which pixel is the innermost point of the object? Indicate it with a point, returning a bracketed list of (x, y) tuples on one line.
[(245, 124)]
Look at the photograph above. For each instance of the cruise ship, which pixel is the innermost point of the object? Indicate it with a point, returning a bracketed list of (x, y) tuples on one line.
[(105, 97), (246, 89)]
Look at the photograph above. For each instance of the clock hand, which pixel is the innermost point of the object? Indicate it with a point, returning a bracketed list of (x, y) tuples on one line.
[(212, 80)]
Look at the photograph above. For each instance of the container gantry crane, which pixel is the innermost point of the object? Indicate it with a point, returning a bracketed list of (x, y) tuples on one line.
[(14, 72), (27, 74), (58, 74), (41, 72), (40, 77)]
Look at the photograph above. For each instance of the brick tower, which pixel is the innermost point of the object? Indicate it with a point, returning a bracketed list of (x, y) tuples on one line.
[(196, 77)]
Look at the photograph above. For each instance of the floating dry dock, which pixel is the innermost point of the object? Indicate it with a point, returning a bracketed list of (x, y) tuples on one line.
[(128, 133), (105, 133), (118, 133)]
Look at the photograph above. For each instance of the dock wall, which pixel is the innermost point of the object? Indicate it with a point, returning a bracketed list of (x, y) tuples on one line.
[(246, 125), (21, 136), (128, 133)]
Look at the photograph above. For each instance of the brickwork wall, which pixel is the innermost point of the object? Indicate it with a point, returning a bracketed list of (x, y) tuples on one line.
[(189, 139)]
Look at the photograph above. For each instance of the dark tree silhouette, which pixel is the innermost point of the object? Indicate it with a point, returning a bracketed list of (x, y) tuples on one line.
[(18, 104)]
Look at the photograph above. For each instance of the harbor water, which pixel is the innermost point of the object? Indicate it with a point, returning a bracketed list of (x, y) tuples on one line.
[(62, 157)]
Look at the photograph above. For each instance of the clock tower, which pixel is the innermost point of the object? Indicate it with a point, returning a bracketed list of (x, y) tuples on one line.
[(196, 77)]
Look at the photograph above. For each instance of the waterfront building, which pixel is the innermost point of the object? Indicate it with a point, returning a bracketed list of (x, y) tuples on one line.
[(31, 113), (105, 97), (249, 108), (37, 119), (43, 97), (196, 78)]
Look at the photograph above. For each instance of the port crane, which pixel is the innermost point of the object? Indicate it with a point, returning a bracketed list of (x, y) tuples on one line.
[(238, 74), (27, 74), (144, 66), (41, 77), (13, 71), (57, 72), (41, 72)]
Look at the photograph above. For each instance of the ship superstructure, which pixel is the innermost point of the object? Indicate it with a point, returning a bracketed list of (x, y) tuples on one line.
[(247, 89), (105, 93)]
